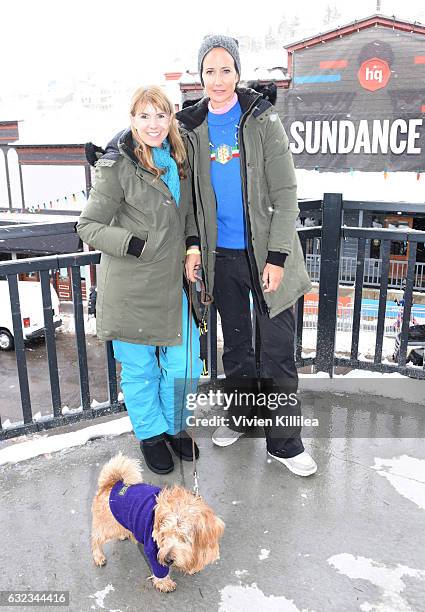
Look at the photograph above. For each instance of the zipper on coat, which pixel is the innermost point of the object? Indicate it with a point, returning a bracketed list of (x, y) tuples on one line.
[(199, 199), (251, 257)]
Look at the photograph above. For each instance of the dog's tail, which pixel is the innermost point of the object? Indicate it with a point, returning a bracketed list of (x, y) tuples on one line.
[(118, 468)]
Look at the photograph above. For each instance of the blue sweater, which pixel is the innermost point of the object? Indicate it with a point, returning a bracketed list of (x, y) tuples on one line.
[(226, 177), (134, 508)]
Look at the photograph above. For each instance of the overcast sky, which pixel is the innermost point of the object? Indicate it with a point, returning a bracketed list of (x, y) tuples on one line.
[(49, 40)]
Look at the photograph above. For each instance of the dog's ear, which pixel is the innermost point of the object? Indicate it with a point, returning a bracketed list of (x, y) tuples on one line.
[(208, 531)]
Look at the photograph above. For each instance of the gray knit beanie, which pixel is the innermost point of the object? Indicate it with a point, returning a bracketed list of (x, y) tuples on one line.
[(219, 40)]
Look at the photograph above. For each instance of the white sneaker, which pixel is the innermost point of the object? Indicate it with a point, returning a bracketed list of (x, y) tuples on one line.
[(301, 465), (224, 436)]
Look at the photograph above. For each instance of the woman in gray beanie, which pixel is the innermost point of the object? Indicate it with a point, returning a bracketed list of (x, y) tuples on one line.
[(246, 208)]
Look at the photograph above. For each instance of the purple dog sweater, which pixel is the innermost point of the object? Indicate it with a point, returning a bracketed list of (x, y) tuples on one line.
[(133, 507)]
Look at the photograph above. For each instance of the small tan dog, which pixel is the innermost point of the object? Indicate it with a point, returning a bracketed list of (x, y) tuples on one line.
[(175, 526)]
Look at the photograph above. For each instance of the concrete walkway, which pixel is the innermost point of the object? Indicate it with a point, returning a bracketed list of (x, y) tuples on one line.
[(349, 538)]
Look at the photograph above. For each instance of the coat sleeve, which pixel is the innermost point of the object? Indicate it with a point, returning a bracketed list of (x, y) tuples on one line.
[(105, 199), (191, 229), (282, 186)]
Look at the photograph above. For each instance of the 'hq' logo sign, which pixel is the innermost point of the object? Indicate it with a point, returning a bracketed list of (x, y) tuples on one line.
[(374, 74)]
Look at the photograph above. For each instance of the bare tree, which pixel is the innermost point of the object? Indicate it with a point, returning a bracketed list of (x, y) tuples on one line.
[(294, 27), (331, 14)]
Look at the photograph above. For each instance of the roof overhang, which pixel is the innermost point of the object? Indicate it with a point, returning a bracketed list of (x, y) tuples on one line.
[(355, 26)]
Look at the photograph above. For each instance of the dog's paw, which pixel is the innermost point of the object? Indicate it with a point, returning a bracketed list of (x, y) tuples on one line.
[(99, 559), (165, 585)]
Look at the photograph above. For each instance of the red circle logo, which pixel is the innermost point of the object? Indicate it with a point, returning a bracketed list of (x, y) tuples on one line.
[(374, 74)]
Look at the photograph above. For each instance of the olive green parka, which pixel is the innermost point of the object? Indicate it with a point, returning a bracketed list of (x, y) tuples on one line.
[(269, 193), (139, 298)]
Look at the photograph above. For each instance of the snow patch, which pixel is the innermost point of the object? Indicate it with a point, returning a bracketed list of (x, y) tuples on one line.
[(343, 341), (407, 476), (95, 404), (264, 554), (99, 596), (7, 424), (51, 444), (39, 418), (397, 187), (387, 579), (68, 410), (251, 598), (392, 385), (68, 324)]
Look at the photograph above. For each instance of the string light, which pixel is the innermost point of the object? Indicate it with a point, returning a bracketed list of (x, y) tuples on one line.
[(36, 207)]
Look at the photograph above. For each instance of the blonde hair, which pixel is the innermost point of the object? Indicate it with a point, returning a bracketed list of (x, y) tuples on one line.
[(155, 96)]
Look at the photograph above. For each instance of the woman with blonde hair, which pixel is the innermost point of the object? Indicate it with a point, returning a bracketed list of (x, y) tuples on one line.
[(140, 216)]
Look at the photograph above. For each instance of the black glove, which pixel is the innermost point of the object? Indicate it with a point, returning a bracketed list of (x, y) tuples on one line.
[(93, 153)]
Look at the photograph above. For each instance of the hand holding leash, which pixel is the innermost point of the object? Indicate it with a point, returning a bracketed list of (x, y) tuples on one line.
[(192, 263)]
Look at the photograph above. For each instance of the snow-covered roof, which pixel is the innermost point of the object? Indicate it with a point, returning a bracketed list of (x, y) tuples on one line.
[(264, 74), (339, 28), (267, 65), (189, 78)]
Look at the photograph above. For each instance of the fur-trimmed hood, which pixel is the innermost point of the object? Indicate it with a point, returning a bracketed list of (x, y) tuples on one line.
[(192, 116)]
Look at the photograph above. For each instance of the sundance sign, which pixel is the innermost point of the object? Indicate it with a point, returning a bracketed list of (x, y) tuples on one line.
[(358, 103), (370, 137)]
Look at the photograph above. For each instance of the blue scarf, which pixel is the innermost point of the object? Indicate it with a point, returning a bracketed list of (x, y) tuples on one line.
[(163, 160)]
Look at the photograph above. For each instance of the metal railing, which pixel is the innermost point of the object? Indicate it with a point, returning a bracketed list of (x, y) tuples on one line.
[(44, 265), (332, 234), (42, 155), (372, 272), (327, 315), (368, 318)]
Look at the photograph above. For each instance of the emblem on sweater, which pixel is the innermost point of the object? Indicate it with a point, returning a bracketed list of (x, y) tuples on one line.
[(224, 153), (123, 490)]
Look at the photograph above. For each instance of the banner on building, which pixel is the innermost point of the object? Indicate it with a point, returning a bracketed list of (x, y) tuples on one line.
[(358, 102)]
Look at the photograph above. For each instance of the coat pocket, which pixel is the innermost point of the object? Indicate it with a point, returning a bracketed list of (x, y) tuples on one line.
[(154, 248)]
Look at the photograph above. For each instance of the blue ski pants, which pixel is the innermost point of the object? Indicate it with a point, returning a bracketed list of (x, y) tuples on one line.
[(155, 388)]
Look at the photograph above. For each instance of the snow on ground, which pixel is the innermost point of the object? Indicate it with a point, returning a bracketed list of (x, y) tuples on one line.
[(68, 324), (367, 186), (387, 579), (407, 476), (41, 445), (99, 596), (264, 554), (394, 385), (239, 598), (367, 342), (356, 381), (240, 573)]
